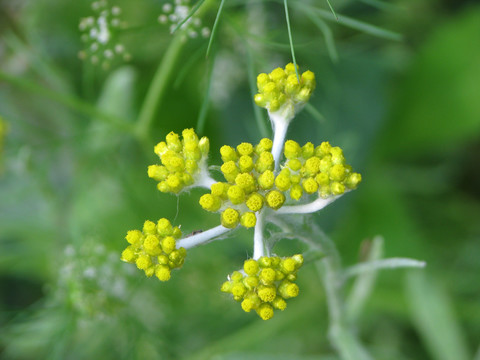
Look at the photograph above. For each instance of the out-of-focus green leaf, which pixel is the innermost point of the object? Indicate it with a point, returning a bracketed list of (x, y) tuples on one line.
[(438, 104), (434, 317)]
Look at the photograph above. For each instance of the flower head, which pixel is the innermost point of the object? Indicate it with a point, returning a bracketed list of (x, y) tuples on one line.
[(281, 92), (265, 284), (154, 249), (183, 162)]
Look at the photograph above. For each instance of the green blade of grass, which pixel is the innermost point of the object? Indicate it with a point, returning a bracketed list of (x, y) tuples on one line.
[(215, 25), (434, 317), (190, 14), (260, 120), (202, 115), (317, 115), (352, 23), (327, 35), (290, 39), (332, 10)]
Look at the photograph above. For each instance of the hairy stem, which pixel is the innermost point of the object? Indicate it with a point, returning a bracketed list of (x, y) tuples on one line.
[(258, 244), (311, 207), (202, 237), (280, 127)]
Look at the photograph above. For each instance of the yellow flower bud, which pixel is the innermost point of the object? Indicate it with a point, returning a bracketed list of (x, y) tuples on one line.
[(337, 172), (250, 267), (311, 166), (162, 272), (266, 293), (322, 179), (189, 136), (220, 189), (245, 163), (248, 220), (279, 303), (210, 202), (310, 185), (275, 199), (230, 171), (294, 164), (245, 149), (296, 192), (228, 153), (265, 162), (143, 262), (292, 149), (267, 276), (204, 145), (236, 194), (230, 218), (265, 311), (151, 245), (168, 244), (149, 227), (266, 180), (157, 172), (173, 142), (255, 202), (128, 255), (251, 282), (251, 302), (264, 145), (288, 289), (282, 182), (353, 180), (134, 237), (337, 188)]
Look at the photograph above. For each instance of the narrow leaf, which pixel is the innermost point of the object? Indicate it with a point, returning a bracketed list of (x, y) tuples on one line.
[(214, 29)]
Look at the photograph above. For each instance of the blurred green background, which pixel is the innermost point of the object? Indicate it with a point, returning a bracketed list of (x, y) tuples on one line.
[(398, 87)]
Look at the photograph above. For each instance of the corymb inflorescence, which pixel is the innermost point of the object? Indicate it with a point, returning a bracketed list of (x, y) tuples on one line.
[(263, 182), (183, 161), (283, 91), (265, 284), (154, 249)]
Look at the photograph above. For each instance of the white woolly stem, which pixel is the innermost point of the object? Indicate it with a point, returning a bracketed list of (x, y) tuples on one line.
[(205, 182), (280, 127), (314, 206), (258, 245), (391, 263), (202, 237)]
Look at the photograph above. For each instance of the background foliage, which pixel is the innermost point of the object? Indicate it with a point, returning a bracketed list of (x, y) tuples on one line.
[(399, 95)]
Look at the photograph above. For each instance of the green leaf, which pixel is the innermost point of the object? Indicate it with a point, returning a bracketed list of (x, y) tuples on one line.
[(434, 317)]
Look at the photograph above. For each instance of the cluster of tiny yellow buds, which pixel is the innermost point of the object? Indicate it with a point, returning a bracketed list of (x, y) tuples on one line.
[(154, 249), (265, 284), (250, 179), (183, 161), (174, 13), (99, 33), (283, 88), (311, 169)]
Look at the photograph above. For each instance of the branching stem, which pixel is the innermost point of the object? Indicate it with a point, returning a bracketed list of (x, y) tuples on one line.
[(203, 237)]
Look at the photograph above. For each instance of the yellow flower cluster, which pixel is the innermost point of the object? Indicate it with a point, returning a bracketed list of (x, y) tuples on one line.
[(281, 88), (265, 284), (252, 184), (182, 161), (154, 249), (309, 169), (250, 179)]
